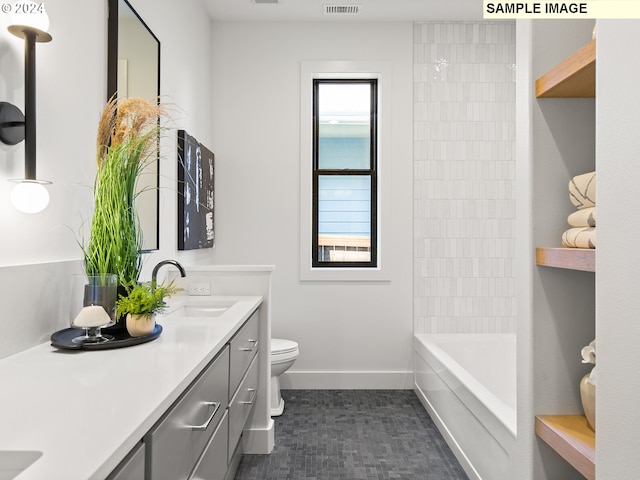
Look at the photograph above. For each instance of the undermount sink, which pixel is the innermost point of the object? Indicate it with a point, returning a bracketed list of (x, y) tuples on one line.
[(14, 462), (200, 309)]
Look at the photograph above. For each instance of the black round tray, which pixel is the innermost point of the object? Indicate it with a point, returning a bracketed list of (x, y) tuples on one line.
[(64, 339)]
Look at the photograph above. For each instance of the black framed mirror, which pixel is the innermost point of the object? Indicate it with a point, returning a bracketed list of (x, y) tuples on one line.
[(133, 70)]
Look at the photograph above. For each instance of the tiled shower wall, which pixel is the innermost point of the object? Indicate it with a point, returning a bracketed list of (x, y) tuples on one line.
[(464, 175)]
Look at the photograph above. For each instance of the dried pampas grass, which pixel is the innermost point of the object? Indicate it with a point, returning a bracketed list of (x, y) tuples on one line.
[(124, 120)]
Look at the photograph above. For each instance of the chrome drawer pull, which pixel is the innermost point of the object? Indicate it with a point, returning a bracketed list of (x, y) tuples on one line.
[(206, 424), (249, 349), (253, 397)]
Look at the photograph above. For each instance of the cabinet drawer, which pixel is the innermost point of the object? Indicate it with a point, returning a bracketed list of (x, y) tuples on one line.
[(132, 467), (243, 347), (242, 405), (213, 463), (176, 442)]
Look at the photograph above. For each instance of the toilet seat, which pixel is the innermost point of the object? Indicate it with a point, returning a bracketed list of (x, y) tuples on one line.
[(280, 346), (283, 350)]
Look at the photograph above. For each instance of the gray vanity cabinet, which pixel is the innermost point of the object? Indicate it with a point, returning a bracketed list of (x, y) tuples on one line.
[(243, 347), (132, 467), (200, 436), (175, 444), (242, 404), (213, 462), (243, 386)]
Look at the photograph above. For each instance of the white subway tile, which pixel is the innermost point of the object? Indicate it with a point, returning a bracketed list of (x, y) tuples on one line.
[(464, 172)]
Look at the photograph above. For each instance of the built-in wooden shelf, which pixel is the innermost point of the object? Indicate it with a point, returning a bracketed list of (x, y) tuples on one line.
[(571, 437), (571, 258), (574, 77)]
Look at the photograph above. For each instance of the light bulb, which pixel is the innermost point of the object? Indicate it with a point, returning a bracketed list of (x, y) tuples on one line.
[(30, 14), (30, 196)]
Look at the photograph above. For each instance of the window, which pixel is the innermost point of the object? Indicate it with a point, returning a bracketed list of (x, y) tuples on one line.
[(344, 217), (345, 172)]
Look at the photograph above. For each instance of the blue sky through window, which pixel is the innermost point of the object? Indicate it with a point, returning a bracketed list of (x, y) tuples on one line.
[(344, 203)]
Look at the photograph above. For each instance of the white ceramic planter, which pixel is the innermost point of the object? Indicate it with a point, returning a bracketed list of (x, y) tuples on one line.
[(139, 326)]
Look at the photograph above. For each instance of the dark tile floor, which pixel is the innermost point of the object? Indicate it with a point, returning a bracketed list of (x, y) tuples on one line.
[(353, 435)]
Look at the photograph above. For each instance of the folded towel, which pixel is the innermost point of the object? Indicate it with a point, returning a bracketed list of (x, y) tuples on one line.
[(582, 190), (583, 218), (581, 237)]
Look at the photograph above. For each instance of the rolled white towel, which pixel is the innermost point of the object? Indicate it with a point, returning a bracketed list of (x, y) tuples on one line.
[(582, 190), (580, 237), (585, 217)]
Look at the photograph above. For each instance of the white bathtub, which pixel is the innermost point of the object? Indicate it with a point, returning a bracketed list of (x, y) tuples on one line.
[(467, 383)]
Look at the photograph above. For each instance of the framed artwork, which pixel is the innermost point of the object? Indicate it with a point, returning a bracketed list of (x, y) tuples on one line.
[(195, 194)]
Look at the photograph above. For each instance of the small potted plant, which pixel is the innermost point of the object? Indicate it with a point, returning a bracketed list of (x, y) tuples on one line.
[(141, 304)]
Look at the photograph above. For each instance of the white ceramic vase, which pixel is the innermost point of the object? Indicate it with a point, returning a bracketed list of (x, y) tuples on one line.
[(588, 397), (139, 326)]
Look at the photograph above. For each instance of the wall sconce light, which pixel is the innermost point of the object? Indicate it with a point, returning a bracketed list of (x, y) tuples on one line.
[(29, 22)]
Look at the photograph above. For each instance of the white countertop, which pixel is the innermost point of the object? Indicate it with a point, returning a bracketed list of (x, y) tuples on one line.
[(85, 410)]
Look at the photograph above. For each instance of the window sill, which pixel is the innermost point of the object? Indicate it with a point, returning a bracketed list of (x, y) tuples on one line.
[(342, 274)]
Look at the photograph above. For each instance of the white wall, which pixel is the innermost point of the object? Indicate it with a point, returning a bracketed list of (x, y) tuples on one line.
[(464, 176), (350, 334), (617, 264), (71, 92), (71, 89)]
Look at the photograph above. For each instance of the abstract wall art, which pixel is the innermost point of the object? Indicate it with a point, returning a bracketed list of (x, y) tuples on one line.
[(195, 194)]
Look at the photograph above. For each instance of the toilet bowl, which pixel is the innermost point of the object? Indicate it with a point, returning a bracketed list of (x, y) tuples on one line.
[(283, 355)]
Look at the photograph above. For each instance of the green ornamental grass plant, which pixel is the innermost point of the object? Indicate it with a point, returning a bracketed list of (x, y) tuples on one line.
[(127, 142)]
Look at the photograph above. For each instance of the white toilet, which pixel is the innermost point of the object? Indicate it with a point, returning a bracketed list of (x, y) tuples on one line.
[(283, 354)]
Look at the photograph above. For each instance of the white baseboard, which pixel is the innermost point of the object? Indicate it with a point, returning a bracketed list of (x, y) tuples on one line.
[(346, 380), (259, 441)]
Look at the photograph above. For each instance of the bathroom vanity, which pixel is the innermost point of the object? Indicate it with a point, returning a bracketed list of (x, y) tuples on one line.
[(184, 406)]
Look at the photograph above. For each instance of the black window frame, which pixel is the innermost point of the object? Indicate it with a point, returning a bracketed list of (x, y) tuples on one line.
[(371, 172)]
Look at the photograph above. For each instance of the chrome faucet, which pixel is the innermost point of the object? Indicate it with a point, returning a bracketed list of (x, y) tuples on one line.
[(154, 273)]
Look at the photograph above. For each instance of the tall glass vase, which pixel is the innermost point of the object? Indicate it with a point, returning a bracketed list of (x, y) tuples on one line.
[(120, 323)]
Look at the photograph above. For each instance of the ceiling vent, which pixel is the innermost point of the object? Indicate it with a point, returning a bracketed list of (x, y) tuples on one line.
[(341, 9)]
